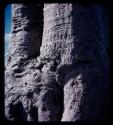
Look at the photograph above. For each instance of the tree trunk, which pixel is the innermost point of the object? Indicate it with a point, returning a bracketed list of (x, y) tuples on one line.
[(58, 71)]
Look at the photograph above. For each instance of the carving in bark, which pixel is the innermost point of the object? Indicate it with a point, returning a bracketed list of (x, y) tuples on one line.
[(58, 67)]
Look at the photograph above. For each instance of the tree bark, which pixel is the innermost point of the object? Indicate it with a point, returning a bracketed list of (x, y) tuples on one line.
[(58, 66), (28, 95)]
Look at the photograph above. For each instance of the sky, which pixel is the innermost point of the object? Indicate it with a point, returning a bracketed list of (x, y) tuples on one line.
[(7, 34)]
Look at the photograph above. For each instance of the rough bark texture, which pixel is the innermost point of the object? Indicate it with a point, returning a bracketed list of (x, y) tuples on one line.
[(58, 67)]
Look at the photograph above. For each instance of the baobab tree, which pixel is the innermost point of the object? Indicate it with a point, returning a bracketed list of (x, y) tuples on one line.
[(58, 66)]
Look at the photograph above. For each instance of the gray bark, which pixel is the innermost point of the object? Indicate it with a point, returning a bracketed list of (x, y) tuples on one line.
[(58, 71), (29, 96)]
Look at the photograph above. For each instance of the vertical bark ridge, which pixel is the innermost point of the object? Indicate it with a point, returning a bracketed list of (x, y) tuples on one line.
[(24, 47), (84, 92)]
